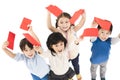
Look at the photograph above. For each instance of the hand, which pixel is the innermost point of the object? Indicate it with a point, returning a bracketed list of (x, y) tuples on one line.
[(30, 28), (94, 24), (119, 35), (5, 44), (78, 40), (38, 49), (84, 14)]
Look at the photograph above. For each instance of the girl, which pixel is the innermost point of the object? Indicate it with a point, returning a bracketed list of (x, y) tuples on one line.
[(58, 56), (67, 29)]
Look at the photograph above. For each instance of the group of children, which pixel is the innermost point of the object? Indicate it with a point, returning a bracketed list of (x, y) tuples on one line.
[(63, 48)]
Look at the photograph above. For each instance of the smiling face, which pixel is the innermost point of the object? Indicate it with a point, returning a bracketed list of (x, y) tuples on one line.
[(59, 47), (104, 34), (64, 23), (29, 52)]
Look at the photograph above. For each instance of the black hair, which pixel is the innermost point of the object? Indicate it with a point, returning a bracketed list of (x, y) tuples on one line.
[(64, 14), (111, 28), (55, 38), (25, 42)]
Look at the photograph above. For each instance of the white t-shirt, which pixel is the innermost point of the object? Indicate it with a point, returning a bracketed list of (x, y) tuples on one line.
[(59, 63)]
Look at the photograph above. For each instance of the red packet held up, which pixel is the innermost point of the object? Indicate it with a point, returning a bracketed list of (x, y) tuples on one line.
[(90, 32), (24, 23), (10, 39), (31, 39), (105, 24), (54, 10), (76, 16)]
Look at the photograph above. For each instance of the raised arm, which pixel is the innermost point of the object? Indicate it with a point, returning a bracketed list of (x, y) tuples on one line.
[(36, 48), (49, 24), (7, 51), (81, 23), (33, 34), (93, 25)]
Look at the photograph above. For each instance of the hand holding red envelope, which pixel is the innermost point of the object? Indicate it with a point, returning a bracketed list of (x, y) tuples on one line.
[(55, 10), (25, 23), (76, 16), (105, 24), (10, 39), (31, 39), (88, 32)]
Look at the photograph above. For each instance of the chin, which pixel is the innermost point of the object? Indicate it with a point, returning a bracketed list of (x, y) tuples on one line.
[(104, 39), (30, 56)]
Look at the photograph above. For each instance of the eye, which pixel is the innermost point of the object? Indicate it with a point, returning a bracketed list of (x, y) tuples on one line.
[(25, 50), (56, 45), (107, 33), (66, 22), (102, 32), (61, 44), (61, 22)]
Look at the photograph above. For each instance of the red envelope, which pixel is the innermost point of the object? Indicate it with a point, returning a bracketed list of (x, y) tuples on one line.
[(54, 10), (24, 23), (90, 32), (31, 39), (10, 39), (76, 16), (105, 24)]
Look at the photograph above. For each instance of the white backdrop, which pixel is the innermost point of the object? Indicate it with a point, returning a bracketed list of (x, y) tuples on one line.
[(13, 11)]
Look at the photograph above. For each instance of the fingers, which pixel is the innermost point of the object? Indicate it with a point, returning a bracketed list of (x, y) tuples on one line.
[(5, 44)]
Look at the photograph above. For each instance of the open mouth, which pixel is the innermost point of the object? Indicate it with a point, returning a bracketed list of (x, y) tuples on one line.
[(60, 51), (30, 55)]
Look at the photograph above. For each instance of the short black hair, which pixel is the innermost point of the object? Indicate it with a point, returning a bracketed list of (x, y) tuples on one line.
[(55, 38), (23, 43), (111, 28)]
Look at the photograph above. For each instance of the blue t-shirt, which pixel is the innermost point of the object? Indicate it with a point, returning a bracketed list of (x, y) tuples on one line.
[(36, 65), (100, 51)]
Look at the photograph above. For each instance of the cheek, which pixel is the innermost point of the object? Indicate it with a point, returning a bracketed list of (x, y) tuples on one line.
[(55, 49)]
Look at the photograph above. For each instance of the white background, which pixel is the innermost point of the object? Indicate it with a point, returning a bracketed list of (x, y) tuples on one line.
[(13, 11)]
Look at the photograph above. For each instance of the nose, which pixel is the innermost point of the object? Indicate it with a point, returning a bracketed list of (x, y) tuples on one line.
[(30, 51), (60, 48), (104, 34)]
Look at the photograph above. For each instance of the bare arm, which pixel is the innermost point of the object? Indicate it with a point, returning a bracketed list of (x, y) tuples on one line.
[(49, 24), (81, 23), (7, 51), (93, 25), (38, 49), (33, 34)]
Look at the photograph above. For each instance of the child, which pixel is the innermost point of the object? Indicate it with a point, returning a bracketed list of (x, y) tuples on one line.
[(101, 46), (58, 56), (64, 26), (35, 63)]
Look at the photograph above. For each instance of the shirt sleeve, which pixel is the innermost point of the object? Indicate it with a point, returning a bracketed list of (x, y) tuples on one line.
[(92, 39), (115, 40), (19, 57)]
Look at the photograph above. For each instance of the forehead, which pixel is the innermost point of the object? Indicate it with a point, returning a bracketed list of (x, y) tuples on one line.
[(60, 42), (27, 47), (103, 30), (64, 19)]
